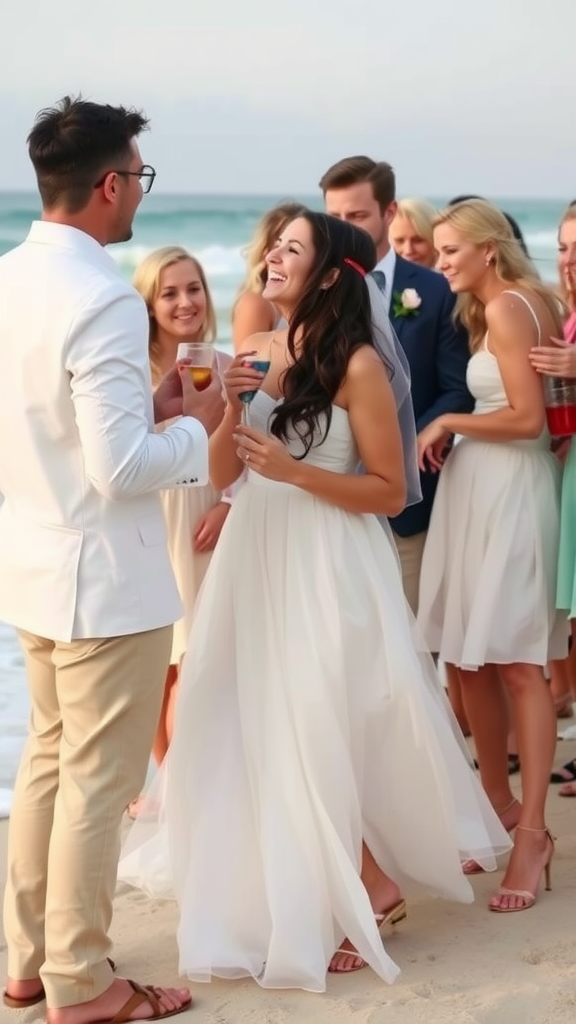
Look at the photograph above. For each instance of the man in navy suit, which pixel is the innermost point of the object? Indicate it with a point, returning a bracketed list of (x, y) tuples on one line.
[(420, 306)]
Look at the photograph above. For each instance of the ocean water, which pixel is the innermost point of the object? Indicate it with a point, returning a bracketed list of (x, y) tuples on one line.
[(215, 229)]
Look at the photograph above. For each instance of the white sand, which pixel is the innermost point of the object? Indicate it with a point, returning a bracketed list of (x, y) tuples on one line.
[(460, 964)]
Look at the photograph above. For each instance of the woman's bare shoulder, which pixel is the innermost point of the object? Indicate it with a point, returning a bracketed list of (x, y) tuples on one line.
[(253, 302)]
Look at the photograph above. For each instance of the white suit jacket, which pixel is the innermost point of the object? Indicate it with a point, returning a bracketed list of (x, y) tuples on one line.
[(83, 549)]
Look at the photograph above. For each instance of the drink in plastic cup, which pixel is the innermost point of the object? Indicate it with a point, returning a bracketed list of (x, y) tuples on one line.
[(198, 359)]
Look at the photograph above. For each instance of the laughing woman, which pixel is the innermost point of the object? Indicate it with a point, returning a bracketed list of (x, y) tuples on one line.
[(290, 830)]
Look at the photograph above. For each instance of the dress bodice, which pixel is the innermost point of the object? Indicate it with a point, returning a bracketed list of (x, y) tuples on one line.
[(485, 382), (486, 386), (336, 451)]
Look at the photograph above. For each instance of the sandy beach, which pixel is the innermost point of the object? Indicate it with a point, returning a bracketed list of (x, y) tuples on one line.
[(460, 964)]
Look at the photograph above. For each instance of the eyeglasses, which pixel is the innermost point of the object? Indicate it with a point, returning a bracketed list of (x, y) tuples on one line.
[(145, 176)]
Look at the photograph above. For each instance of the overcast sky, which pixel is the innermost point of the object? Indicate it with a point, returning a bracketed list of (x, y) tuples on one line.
[(261, 96)]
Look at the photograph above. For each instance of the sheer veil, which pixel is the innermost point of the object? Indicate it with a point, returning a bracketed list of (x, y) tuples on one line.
[(387, 344)]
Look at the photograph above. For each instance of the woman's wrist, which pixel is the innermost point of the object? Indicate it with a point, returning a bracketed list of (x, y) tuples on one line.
[(297, 474), (232, 415)]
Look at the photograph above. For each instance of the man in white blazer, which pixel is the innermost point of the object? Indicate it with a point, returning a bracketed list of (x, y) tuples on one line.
[(84, 569)]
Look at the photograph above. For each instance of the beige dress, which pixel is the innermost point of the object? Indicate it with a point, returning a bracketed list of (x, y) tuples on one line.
[(488, 583), (183, 507)]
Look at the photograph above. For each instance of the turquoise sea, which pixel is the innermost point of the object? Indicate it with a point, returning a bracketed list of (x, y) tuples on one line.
[(216, 229)]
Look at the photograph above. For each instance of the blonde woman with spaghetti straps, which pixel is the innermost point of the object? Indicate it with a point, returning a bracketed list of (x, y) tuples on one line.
[(252, 312), (487, 601)]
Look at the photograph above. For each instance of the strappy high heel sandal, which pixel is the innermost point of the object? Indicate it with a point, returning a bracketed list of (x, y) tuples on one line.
[(471, 867), (397, 913), (529, 898), (393, 916)]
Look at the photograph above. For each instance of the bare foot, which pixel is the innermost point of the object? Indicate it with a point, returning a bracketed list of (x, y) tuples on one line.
[(567, 789), (148, 1001), (346, 959), (533, 849)]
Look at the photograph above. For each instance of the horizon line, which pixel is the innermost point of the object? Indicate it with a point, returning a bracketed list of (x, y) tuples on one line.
[(286, 193)]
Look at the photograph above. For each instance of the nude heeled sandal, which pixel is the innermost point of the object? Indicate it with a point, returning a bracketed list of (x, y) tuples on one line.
[(523, 894), (393, 916)]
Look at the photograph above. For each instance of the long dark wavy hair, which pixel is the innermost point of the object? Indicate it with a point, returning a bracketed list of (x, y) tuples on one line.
[(330, 324)]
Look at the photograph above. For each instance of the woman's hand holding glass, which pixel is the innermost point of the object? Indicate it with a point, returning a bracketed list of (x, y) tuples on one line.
[(265, 455), (241, 377)]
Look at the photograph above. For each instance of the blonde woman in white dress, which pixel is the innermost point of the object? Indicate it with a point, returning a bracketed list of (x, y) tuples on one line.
[(488, 587), (173, 285)]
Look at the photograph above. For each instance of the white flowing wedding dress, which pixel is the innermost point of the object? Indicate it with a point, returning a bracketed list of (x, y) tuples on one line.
[(306, 722)]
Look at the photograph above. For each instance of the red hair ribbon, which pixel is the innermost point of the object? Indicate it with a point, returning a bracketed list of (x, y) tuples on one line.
[(355, 266)]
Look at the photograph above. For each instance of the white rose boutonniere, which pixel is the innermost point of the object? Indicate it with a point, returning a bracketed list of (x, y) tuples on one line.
[(406, 303)]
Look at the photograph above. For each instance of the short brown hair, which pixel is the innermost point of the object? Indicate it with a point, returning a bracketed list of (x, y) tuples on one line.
[(355, 169), (73, 143)]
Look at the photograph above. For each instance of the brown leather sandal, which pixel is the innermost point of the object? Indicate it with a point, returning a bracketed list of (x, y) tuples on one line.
[(144, 994)]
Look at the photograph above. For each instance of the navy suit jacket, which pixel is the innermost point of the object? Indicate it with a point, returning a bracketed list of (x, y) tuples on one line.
[(438, 354)]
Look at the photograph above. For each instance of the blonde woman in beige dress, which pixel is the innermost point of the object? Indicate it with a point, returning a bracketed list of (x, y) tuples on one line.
[(173, 285)]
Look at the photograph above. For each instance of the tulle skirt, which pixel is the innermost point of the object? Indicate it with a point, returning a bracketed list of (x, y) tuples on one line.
[(307, 722)]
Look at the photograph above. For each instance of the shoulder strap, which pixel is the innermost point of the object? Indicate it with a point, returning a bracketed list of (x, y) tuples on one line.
[(509, 291)]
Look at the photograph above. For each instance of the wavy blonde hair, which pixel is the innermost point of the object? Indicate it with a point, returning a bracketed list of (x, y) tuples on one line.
[(569, 214), (269, 227), (146, 281), (421, 214), (481, 223)]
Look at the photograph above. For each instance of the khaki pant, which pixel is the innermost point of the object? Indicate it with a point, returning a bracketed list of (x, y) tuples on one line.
[(410, 552), (95, 707)]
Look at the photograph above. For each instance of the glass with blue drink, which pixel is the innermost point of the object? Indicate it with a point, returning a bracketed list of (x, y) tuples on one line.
[(262, 365)]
